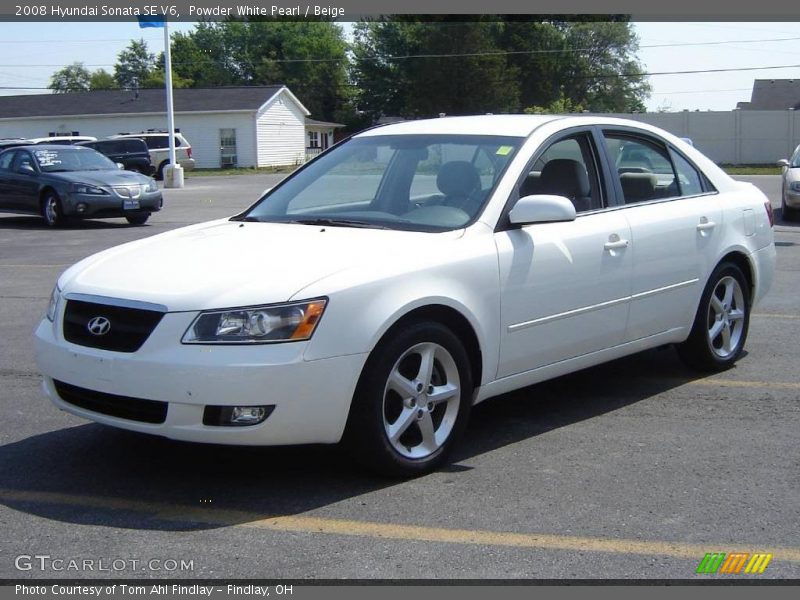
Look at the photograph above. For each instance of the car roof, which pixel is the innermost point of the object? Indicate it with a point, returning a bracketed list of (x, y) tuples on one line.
[(505, 125), (52, 147)]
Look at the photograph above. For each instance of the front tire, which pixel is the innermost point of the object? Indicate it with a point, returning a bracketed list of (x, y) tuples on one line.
[(52, 211), (720, 326), (412, 402), (138, 219), (788, 213)]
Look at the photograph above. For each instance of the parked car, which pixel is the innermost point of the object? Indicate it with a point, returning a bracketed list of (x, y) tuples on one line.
[(158, 145), (59, 182), (790, 186), (62, 140), (378, 292), (131, 153)]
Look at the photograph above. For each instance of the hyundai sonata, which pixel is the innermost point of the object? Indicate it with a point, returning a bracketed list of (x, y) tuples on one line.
[(379, 292)]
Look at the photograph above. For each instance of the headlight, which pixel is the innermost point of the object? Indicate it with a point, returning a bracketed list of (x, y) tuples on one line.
[(795, 186), (52, 306), (152, 186), (257, 324), (85, 188)]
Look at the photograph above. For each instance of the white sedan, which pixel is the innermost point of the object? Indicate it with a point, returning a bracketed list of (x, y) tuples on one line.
[(790, 186), (379, 292)]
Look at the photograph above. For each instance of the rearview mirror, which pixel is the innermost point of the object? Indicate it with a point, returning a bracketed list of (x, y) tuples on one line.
[(120, 166), (542, 209), (783, 163)]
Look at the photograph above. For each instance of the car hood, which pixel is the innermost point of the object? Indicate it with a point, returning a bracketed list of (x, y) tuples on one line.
[(227, 263), (102, 178)]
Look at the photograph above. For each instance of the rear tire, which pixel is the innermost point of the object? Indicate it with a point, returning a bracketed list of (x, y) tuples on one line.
[(160, 171), (52, 210), (412, 401), (138, 219), (720, 326)]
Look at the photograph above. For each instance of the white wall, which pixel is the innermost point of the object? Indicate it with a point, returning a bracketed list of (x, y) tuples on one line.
[(281, 133), (200, 129), (737, 137)]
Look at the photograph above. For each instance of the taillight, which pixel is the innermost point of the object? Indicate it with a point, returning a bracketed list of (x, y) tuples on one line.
[(189, 152), (770, 215)]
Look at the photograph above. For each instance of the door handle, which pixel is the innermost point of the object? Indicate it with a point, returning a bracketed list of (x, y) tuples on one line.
[(705, 224), (615, 244)]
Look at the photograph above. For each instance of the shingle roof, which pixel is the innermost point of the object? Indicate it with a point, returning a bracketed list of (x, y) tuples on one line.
[(149, 101), (323, 123), (773, 94)]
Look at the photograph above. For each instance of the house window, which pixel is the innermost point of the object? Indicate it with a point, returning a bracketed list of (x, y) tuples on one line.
[(313, 139), (227, 148)]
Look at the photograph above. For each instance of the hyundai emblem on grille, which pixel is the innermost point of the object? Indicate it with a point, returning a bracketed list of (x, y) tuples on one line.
[(99, 326)]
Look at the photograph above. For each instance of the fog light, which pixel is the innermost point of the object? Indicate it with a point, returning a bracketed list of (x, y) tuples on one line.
[(248, 415), (82, 206), (236, 416)]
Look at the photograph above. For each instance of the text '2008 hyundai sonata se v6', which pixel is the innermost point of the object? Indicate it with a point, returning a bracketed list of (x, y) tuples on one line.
[(379, 292)]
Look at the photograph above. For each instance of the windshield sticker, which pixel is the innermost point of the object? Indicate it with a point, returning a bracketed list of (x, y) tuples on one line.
[(504, 150), (47, 158)]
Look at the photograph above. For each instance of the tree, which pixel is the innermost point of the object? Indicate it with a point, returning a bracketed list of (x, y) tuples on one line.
[(134, 64), (72, 78), (496, 65), (102, 80), (310, 57)]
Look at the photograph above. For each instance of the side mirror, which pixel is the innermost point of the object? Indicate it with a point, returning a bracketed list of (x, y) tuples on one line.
[(542, 209), (26, 170), (120, 166), (783, 163)]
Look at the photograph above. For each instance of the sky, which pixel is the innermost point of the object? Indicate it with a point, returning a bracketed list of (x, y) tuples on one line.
[(692, 46)]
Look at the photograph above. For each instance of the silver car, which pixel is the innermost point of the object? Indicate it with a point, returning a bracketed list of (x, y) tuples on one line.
[(790, 188)]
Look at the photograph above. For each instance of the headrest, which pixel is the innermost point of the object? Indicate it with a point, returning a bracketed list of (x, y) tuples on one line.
[(565, 177), (458, 178)]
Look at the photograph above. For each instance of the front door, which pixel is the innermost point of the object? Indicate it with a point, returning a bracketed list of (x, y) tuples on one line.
[(565, 287)]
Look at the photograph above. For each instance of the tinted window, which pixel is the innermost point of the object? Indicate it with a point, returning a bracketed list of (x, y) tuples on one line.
[(5, 160), (22, 159), (131, 146), (566, 168), (157, 142), (689, 181), (644, 168)]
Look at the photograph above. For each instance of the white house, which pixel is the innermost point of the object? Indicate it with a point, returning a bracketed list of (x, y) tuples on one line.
[(242, 126)]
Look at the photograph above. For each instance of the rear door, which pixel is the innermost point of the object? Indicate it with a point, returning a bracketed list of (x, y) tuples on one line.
[(675, 220), (6, 198)]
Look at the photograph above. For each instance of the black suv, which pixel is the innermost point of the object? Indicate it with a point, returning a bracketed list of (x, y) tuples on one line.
[(132, 153)]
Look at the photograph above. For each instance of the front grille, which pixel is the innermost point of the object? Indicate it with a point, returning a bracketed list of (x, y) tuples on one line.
[(130, 327), (124, 407)]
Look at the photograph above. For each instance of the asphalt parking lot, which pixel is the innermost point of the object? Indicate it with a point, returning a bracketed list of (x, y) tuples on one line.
[(634, 469)]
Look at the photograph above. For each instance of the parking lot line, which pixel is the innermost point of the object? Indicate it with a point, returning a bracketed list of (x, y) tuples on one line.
[(775, 316), (775, 385), (393, 531)]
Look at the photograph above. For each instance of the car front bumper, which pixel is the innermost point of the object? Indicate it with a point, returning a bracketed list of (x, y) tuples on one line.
[(95, 206), (311, 398)]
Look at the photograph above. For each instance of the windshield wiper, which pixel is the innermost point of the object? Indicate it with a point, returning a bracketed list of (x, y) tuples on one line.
[(337, 223), (246, 219)]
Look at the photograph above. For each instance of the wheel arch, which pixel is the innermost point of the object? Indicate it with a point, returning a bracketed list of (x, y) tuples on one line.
[(453, 320), (742, 260)]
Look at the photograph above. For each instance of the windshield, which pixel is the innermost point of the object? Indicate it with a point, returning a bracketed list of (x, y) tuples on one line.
[(413, 182), (796, 158), (53, 160)]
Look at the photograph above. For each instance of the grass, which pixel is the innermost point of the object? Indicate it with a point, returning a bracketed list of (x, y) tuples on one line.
[(751, 169), (239, 171)]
